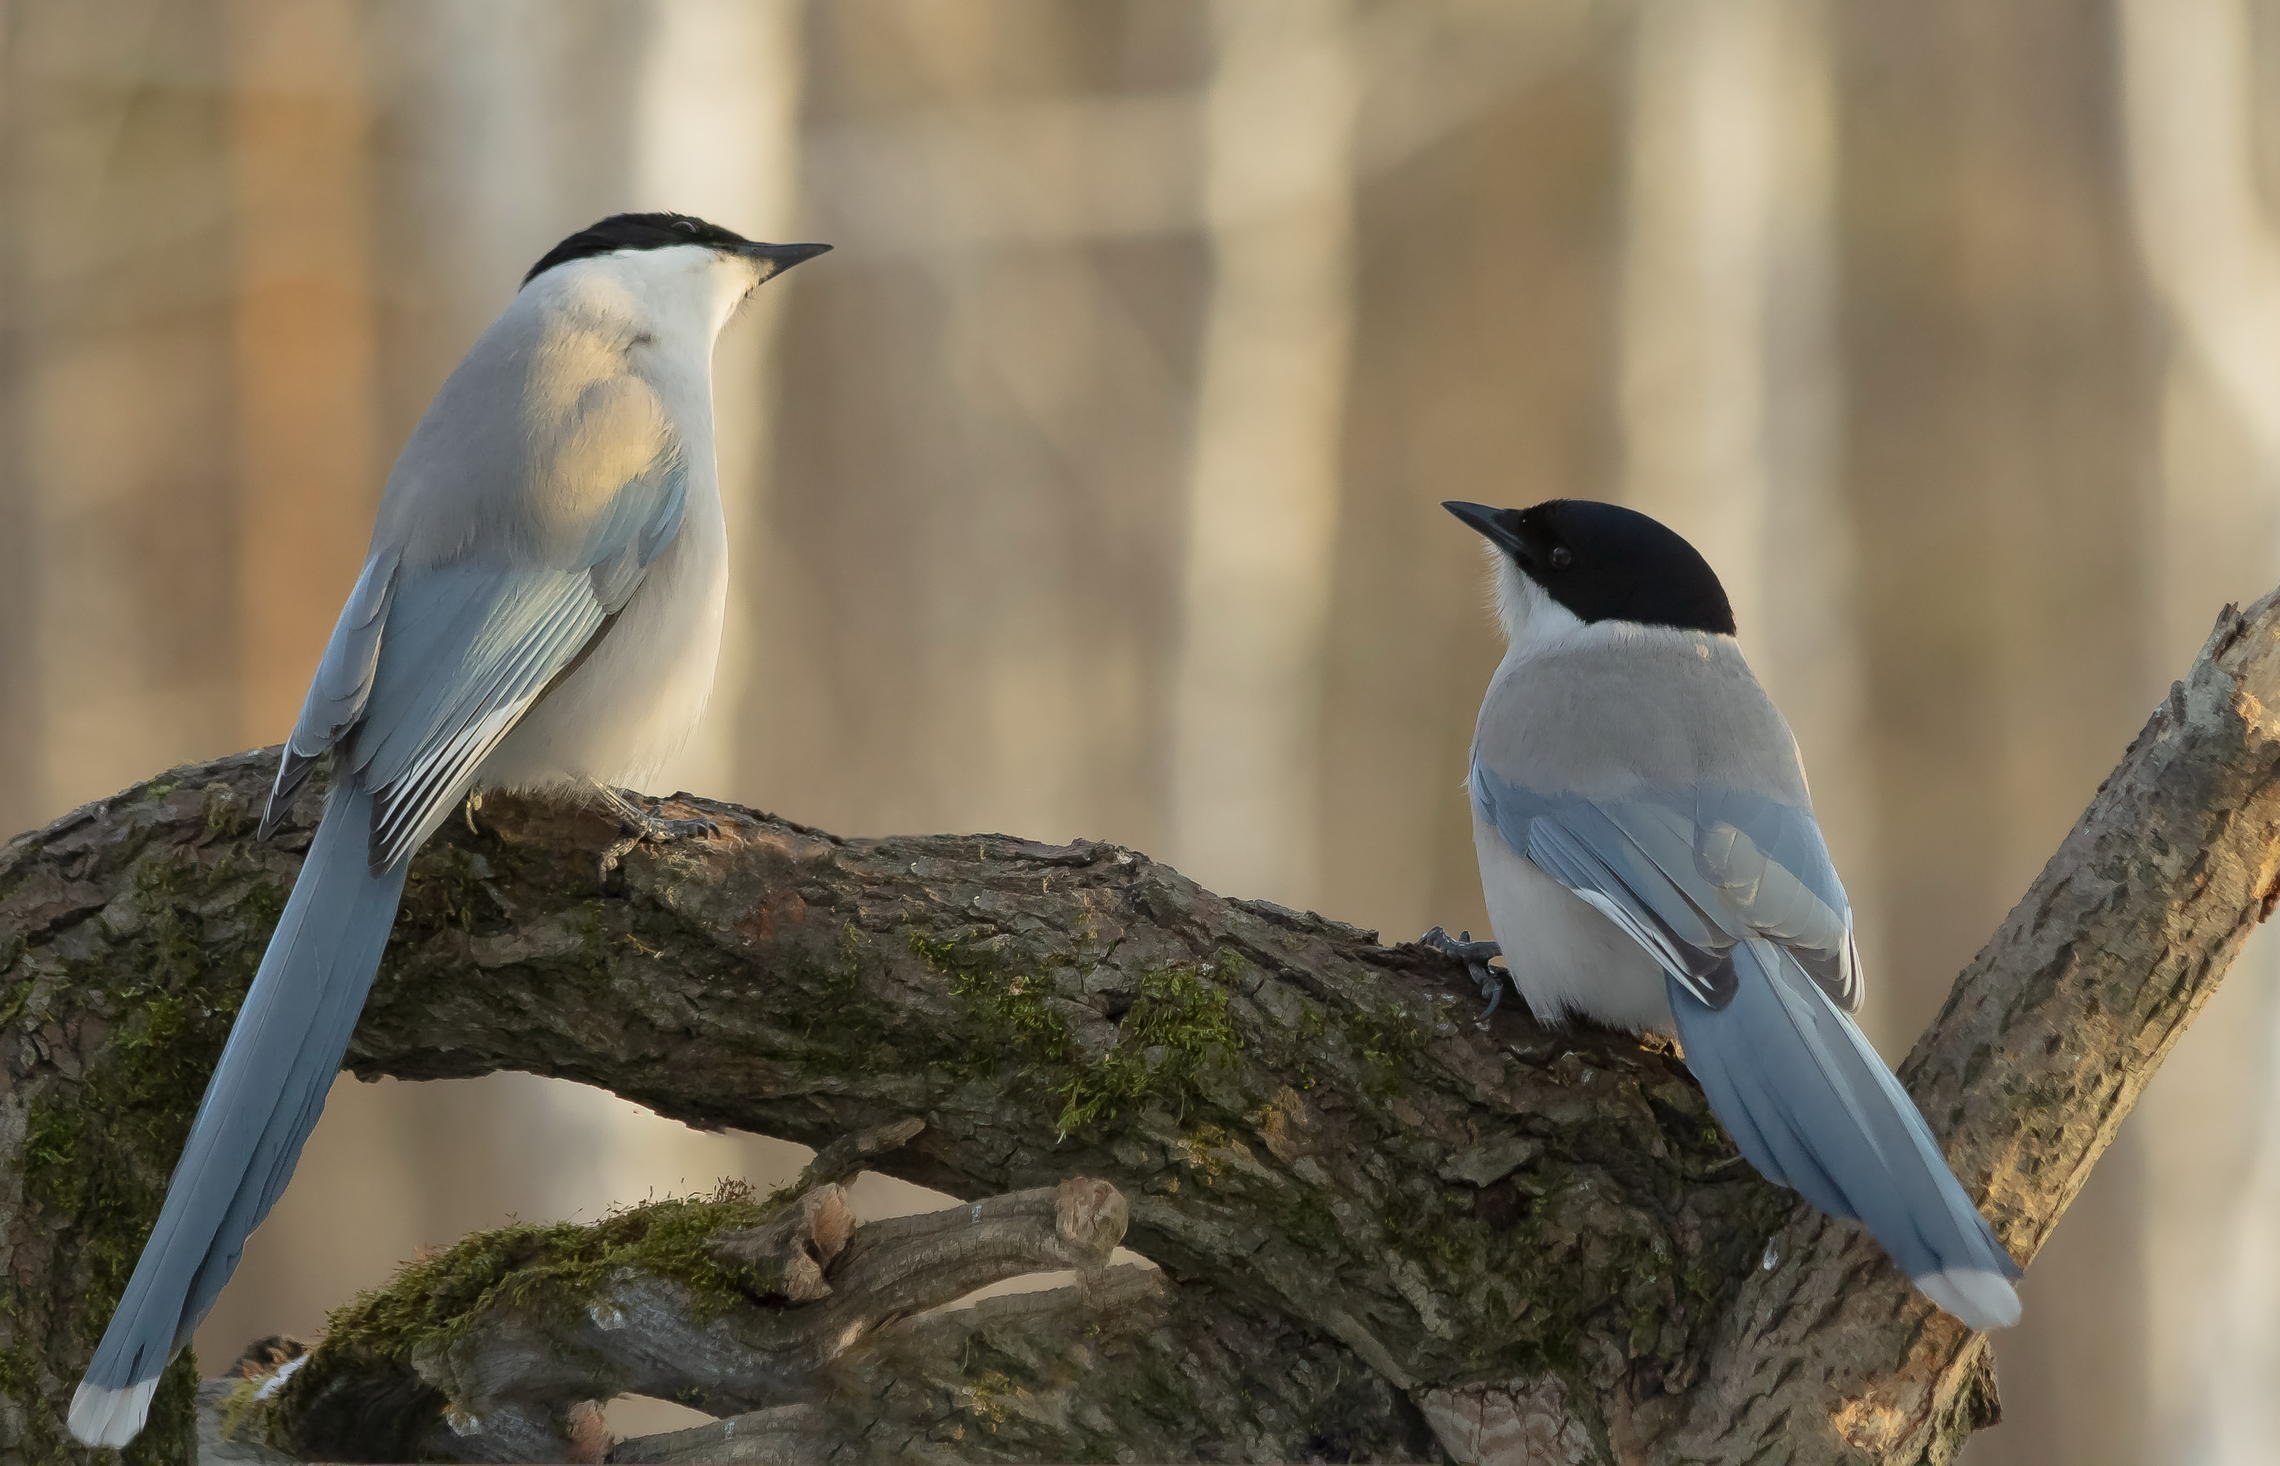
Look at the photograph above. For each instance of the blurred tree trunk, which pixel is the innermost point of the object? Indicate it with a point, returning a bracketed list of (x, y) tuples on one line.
[(1729, 380), (2196, 82), (306, 450), (121, 461), (1998, 450), (716, 126), (1485, 247), (980, 407), (19, 597), (304, 372), (1264, 488)]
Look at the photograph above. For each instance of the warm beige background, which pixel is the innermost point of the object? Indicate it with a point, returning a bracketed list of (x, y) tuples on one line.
[(1089, 487)]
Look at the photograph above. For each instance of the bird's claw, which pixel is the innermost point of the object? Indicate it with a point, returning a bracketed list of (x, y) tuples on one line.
[(1474, 955), (648, 827)]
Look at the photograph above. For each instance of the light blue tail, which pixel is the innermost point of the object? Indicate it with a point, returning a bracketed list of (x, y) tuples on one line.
[(259, 1107), (1813, 1107)]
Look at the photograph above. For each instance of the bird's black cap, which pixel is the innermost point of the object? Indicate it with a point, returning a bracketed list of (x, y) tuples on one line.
[(657, 231), (1607, 563)]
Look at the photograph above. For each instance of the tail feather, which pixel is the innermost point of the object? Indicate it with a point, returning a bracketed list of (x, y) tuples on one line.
[(263, 1100), (1812, 1106)]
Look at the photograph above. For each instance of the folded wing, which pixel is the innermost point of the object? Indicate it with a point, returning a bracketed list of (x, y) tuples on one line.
[(1688, 874), (429, 668), (1735, 897)]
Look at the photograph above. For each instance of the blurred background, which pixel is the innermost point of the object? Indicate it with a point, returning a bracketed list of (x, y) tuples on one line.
[(1090, 487)]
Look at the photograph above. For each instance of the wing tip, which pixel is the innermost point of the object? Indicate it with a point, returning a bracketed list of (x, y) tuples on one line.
[(1982, 1299), (104, 1416), (293, 769)]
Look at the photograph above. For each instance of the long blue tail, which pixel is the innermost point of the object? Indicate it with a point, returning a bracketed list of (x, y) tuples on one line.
[(259, 1107), (1811, 1105)]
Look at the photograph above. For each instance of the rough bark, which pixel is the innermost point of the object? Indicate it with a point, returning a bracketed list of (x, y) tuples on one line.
[(774, 1313), (1376, 1217)]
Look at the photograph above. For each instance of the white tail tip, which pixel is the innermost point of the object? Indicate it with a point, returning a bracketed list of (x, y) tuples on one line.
[(104, 1417), (1983, 1300)]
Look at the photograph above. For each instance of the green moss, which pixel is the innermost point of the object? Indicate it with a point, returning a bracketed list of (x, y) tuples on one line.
[(158, 1000), (843, 1028), (1311, 1028), (52, 1176), (97, 1152), (591, 922), (560, 1265), (138, 1105), (1437, 1227), (221, 813), (136, 1102), (1557, 1266), (172, 1435), (1176, 1030), (1303, 1216), (239, 1403), (1005, 1006), (1387, 1040), (1204, 1151), (18, 997), (449, 886)]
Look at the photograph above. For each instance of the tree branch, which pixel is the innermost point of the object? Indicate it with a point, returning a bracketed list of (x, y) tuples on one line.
[(496, 1349), (1505, 1234), (2041, 1050)]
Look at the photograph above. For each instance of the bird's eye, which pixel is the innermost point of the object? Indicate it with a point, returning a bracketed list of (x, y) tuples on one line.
[(686, 226), (1561, 557)]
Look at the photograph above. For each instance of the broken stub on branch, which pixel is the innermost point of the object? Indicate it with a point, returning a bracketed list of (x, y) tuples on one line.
[(798, 1325)]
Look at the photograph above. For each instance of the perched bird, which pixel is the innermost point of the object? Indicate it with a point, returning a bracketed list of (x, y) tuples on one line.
[(1650, 861), (541, 606)]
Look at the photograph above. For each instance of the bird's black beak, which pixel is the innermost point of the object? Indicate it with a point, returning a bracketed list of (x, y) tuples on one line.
[(782, 256), (1500, 527)]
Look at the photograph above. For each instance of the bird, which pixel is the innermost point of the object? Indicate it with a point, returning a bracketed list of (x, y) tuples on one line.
[(1650, 861), (540, 608)]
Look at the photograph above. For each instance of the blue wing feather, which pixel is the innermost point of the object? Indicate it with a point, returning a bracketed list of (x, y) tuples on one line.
[(343, 681), (472, 645), (1734, 895), (1694, 872), (429, 669)]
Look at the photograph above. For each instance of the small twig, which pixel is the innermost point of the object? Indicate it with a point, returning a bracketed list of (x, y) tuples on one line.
[(840, 1160)]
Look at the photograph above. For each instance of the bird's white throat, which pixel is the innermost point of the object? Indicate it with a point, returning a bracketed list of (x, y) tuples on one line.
[(682, 294), (1531, 619)]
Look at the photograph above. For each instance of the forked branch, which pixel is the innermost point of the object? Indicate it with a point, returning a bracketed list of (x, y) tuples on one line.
[(1384, 1226)]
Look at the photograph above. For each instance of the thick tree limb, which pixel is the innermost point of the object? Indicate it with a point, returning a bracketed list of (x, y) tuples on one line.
[(1390, 1219), (2041, 1050), (496, 1349)]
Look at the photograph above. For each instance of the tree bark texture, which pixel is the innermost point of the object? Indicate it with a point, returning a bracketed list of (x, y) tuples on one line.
[(1383, 1226)]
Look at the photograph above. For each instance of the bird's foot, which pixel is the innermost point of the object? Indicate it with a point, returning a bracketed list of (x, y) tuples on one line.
[(1474, 955), (646, 827), (467, 810)]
